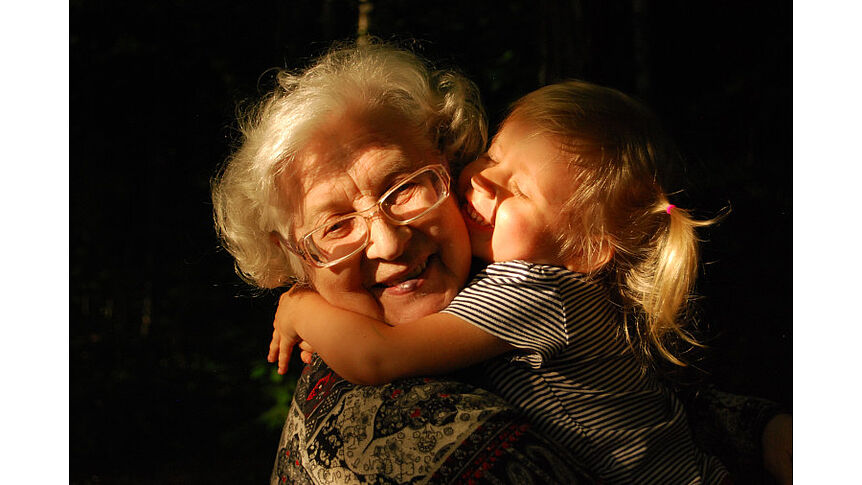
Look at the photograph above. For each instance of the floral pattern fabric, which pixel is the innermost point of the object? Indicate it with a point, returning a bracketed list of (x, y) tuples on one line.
[(416, 430)]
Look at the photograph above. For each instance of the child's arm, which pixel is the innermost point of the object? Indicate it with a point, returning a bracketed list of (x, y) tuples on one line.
[(366, 351)]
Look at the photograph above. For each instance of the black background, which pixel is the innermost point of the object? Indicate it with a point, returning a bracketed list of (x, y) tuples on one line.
[(167, 345)]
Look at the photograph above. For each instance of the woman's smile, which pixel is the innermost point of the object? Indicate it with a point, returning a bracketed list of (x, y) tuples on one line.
[(404, 282), (472, 216)]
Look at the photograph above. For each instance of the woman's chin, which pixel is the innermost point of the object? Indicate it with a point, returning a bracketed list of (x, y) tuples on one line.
[(420, 307), (435, 288)]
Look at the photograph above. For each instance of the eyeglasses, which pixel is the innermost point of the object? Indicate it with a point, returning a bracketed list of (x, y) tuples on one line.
[(411, 198)]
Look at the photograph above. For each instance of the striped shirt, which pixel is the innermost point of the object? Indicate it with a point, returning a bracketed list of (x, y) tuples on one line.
[(576, 378)]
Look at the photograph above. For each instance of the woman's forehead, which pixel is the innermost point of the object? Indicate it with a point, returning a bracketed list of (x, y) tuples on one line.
[(369, 173), (352, 156), (343, 138)]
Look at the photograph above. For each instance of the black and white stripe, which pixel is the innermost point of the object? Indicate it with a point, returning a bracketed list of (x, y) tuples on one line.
[(575, 377)]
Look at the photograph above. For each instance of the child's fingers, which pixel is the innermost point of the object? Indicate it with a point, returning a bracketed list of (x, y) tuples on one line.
[(273, 346), (305, 356), (284, 357), (307, 351), (306, 346)]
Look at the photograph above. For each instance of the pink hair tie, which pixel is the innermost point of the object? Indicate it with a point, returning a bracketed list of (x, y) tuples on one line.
[(669, 207)]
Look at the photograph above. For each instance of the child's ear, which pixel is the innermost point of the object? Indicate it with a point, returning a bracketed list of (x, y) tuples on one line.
[(599, 259), (603, 257)]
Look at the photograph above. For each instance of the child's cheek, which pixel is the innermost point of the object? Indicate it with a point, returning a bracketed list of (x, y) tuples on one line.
[(514, 237)]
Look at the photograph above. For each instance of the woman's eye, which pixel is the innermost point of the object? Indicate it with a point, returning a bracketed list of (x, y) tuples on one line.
[(338, 229), (403, 193)]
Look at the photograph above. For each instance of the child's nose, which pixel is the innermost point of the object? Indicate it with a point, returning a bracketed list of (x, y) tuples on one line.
[(482, 184)]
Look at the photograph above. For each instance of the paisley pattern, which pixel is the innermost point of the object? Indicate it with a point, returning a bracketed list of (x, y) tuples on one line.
[(415, 430)]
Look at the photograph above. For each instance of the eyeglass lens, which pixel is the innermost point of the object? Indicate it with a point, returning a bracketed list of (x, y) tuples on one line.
[(403, 203)]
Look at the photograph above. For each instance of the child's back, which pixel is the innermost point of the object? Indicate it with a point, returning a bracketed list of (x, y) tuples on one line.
[(576, 377)]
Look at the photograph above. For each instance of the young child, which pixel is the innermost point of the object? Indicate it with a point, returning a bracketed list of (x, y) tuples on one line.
[(592, 268)]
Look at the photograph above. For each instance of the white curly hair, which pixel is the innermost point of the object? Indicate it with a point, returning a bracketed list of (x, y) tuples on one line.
[(248, 209)]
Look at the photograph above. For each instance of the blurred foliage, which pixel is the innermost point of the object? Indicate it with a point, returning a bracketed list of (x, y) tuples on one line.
[(279, 388), (168, 378)]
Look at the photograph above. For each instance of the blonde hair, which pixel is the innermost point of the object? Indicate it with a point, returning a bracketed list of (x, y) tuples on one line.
[(618, 220), (444, 106)]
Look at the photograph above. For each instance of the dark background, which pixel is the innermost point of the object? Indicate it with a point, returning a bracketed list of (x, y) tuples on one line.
[(168, 378)]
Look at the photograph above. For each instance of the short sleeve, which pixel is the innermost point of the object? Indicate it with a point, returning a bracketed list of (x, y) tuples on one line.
[(520, 303)]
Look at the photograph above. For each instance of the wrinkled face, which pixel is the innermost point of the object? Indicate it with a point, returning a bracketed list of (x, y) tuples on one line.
[(513, 196), (405, 272)]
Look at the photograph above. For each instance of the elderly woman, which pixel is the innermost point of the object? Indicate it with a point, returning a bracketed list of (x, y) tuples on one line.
[(335, 148)]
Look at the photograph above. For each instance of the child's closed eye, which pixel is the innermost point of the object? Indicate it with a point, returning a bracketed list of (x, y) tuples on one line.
[(516, 191)]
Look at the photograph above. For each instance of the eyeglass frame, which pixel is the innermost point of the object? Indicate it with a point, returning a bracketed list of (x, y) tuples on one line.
[(301, 249)]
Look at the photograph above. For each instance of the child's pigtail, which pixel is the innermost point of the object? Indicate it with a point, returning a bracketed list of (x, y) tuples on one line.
[(661, 282)]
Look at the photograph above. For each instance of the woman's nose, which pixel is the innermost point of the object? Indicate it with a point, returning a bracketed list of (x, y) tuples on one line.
[(387, 240)]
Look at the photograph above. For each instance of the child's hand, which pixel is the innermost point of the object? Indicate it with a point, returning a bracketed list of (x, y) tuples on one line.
[(284, 336), (280, 349), (281, 353)]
